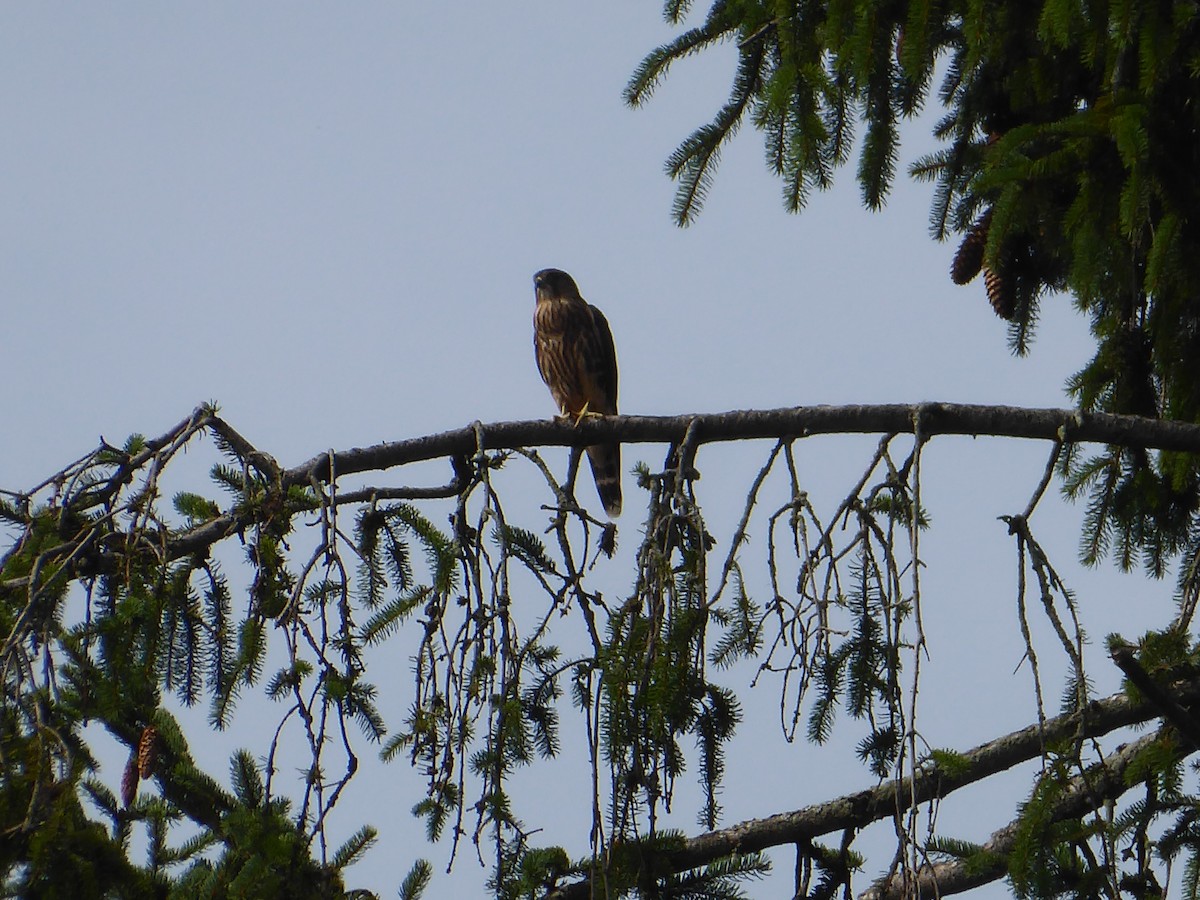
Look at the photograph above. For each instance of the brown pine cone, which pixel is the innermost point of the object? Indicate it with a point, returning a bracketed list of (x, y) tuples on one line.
[(1001, 293), (147, 753), (969, 258), (129, 782)]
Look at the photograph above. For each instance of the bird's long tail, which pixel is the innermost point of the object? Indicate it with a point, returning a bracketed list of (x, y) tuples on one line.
[(606, 469)]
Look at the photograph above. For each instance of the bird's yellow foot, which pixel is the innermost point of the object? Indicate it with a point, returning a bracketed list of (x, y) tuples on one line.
[(565, 415), (585, 413)]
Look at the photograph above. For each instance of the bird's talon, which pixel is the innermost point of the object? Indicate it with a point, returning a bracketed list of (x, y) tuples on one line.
[(586, 413)]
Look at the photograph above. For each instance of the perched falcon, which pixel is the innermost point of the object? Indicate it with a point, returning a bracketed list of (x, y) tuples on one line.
[(578, 362)]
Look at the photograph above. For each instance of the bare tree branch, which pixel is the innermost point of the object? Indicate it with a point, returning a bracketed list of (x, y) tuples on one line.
[(700, 428), (704, 428), (792, 422)]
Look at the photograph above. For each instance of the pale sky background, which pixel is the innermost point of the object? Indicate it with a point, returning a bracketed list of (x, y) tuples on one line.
[(326, 218)]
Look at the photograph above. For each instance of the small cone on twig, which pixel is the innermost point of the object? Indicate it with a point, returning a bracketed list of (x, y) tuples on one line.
[(969, 258), (147, 753), (129, 781), (1001, 293)]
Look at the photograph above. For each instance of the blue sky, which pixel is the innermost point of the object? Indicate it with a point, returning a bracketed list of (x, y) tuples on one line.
[(326, 218)]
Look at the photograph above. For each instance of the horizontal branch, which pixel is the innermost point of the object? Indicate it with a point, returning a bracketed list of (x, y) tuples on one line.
[(856, 811), (925, 419), (928, 419)]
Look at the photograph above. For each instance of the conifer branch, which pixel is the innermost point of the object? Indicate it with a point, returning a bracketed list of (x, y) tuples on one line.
[(463, 449), (856, 811), (1084, 793), (1157, 695), (195, 795), (735, 425), (791, 422), (700, 428)]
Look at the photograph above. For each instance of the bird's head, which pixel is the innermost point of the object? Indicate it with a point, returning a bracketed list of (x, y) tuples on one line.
[(554, 284)]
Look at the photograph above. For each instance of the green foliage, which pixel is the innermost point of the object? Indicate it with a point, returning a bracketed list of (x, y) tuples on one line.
[(474, 605), (742, 624), (1056, 853), (195, 508), (1158, 760), (1133, 513), (1068, 153), (263, 852), (655, 687), (526, 547), (824, 871), (1182, 837), (357, 845), (636, 867), (977, 858), (1068, 137), (719, 880), (441, 552), (114, 607), (1045, 861), (1164, 655), (530, 872), (949, 761), (51, 847), (806, 73), (865, 670), (416, 881), (96, 588)]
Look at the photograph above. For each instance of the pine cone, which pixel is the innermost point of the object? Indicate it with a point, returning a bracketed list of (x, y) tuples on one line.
[(129, 782), (969, 258), (147, 754), (1001, 292)]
